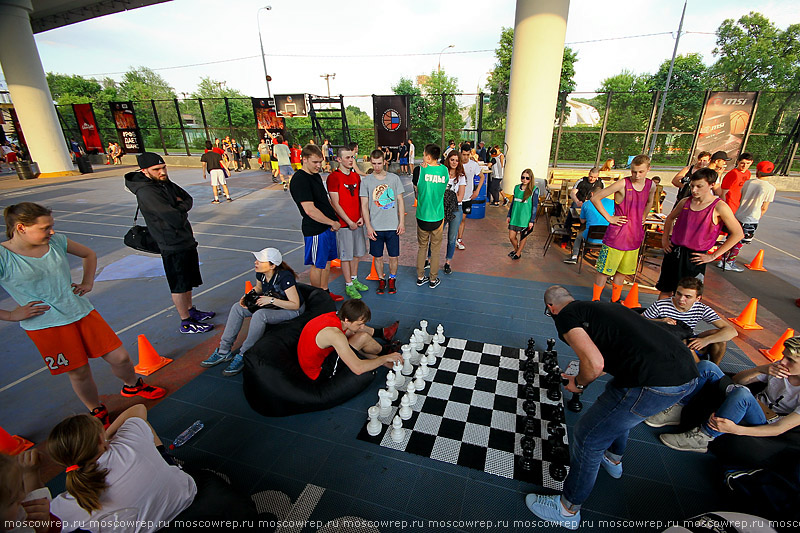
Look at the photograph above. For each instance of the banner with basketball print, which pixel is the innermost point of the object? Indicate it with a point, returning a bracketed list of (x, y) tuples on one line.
[(266, 118), (130, 137), (726, 120), (84, 115), (391, 119)]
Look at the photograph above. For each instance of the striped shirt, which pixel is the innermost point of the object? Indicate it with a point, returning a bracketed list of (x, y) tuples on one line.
[(666, 309)]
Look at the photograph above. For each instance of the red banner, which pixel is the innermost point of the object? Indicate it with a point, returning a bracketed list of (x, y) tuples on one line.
[(84, 114)]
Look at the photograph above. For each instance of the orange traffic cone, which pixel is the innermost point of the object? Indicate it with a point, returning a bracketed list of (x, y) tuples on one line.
[(336, 263), (776, 352), (632, 300), (149, 360), (373, 274), (13, 444), (757, 263), (415, 202), (248, 286), (747, 320)]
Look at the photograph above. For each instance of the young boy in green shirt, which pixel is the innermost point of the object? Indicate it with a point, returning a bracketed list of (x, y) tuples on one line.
[(431, 185)]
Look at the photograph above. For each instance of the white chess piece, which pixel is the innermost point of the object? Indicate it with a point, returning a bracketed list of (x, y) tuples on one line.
[(398, 374), (407, 365), (405, 408), (384, 403), (398, 433), (411, 389), (391, 385), (423, 326), (419, 382), (439, 337), (432, 353), (416, 340), (423, 366), (374, 426), (415, 355)]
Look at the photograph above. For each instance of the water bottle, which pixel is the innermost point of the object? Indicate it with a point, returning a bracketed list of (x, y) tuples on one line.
[(187, 434)]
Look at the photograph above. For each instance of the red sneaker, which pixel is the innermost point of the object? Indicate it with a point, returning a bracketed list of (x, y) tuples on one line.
[(102, 414), (381, 286), (144, 390), (336, 297), (389, 331), (392, 286)]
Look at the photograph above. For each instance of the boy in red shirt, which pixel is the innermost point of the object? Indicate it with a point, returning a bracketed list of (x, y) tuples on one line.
[(732, 183)]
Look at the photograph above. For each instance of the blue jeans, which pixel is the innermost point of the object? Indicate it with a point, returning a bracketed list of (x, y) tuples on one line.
[(605, 427), (258, 323), (452, 234)]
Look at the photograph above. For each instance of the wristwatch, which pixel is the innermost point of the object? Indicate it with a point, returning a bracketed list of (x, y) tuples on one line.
[(578, 385), (272, 301)]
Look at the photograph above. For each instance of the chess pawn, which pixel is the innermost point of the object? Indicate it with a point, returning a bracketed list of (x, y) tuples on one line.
[(407, 366), (384, 403), (439, 338), (374, 427), (411, 389), (416, 340), (398, 433), (419, 382), (391, 386), (399, 380), (423, 366), (405, 408), (423, 326)]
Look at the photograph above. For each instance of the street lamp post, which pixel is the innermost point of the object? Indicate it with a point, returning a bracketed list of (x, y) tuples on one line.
[(261, 43), (439, 69)]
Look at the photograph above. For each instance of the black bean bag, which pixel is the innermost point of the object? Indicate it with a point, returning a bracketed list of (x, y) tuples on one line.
[(274, 383), (740, 451)]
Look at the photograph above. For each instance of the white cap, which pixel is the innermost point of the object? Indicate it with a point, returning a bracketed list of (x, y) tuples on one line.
[(271, 255)]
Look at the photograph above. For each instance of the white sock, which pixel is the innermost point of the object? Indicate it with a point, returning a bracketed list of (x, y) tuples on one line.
[(350, 284)]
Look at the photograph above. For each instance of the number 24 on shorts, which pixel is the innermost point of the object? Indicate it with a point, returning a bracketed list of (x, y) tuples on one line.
[(53, 364)]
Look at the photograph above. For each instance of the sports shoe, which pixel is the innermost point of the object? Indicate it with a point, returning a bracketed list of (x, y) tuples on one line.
[(571, 260), (102, 414), (719, 264), (460, 244), (190, 326), (434, 283), (351, 292), (694, 440), (214, 201), (336, 297), (201, 316), (614, 469), (392, 285), (422, 281), (148, 392), (275, 180), (670, 416), (389, 331), (733, 267), (235, 367), (229, 199), (732, 475), (549, 508), (447, 269), (217, 358), (359, 286), (515, 257), (512, 253), (381, 286)]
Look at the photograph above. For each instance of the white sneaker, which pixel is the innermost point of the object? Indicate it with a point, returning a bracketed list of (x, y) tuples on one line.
[(719, 264), (460, 245), (694, 440), (733, 267), (670, 416)]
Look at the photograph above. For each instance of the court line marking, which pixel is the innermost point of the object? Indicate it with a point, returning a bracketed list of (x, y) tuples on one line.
[(199, 245), (776, 248), (145, 319)]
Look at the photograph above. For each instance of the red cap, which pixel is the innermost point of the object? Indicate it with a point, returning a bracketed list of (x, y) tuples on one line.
[(765, 167)]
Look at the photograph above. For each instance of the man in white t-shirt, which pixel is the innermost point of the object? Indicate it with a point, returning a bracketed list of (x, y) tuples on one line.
[(757, 194), (412, 152), (685, 307), (474, 183)]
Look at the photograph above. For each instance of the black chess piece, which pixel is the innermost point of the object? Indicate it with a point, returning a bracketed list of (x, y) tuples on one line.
[(529, 407), (530, 426), (575, 405), (529, 375), (558, 471), (528, 441), (558, 450), (526, 461), (554, 391), (550, 365), (530, 391), (555, 429), (531, 343), (550, 344), (558, 414)]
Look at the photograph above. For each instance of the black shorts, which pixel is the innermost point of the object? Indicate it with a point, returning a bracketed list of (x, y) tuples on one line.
[(182, 269), (678, 265)]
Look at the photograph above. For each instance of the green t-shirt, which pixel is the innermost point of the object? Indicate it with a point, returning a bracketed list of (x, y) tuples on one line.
[(430, 193)]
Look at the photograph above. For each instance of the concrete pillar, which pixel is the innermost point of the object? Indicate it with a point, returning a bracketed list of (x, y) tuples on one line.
[(33, 103), (539, 30)]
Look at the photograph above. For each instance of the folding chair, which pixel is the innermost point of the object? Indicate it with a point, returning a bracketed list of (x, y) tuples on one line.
[(652, 247), (595, 232)]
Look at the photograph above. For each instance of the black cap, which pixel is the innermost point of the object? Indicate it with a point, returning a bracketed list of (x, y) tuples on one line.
[(149, 159), (720, 155)]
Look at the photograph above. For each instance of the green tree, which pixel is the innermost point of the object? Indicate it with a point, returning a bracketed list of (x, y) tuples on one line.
[(686, 91), (242, 125), (631, 105), (426, 107)]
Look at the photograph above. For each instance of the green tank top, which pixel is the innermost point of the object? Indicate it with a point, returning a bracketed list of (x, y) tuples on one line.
[(521, 211), (430, 193)]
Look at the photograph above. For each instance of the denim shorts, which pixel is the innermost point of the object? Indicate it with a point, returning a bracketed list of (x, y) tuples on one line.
[(390, 238)]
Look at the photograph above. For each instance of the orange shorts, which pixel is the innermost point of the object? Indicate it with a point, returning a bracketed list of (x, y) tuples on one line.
[(68, 347)]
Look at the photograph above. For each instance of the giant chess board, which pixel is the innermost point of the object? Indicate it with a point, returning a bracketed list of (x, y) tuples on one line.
[(478, 403)]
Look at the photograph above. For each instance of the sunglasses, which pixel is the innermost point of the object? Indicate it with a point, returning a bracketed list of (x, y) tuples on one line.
[(525, 178)]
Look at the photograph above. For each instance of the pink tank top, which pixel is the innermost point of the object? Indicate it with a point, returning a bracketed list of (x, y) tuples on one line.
[(696, 229), (630, 235)]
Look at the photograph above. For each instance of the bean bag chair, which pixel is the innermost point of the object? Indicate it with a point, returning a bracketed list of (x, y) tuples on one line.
[(274, 383)]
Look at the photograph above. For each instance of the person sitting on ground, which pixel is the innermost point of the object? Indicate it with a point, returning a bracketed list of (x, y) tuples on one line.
[(685, 308), (522, 213), (771, 412), (590, 216), (344, 335), (279, 301), (24, 500), (125, 467)]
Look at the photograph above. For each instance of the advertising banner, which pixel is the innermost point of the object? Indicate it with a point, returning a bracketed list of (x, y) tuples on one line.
[(726, 120), (84, 115), (266, 119), (130, 137), (291, 105), (391, 119)]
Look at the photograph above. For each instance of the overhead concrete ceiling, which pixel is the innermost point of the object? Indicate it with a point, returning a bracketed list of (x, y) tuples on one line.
[(51, 14)]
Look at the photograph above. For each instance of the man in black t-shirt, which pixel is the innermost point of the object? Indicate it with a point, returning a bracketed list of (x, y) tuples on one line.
[(651, 369), (319, 218), (212, 164)]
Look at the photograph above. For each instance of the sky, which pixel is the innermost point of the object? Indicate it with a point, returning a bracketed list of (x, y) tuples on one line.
[(371, 44)]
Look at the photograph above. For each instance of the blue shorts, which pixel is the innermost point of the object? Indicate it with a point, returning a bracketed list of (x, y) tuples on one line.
[(403, 160), (320, 249), (390, 238)]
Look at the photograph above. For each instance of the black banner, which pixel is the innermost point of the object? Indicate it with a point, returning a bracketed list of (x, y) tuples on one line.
[(130, 137), (266, 118), (391, 119), (726, 120)]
